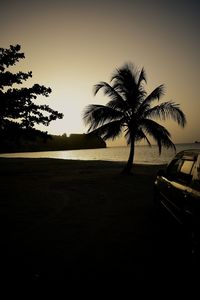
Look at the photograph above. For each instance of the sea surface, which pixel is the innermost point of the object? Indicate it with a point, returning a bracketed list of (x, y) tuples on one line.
[(143, 154)]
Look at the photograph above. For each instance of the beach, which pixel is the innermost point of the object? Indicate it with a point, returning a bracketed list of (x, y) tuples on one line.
[(84, 220)]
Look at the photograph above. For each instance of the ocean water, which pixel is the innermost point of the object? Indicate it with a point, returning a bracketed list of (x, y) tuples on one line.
[(143, 154)]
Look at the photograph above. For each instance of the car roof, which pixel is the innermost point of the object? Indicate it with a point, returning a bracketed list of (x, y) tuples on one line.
[(188, 152)]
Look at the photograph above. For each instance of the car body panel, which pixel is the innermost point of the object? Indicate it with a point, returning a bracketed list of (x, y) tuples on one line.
[(178, 188)]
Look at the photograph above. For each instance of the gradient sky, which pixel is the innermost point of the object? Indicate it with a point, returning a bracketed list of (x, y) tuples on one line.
[(72, 45)]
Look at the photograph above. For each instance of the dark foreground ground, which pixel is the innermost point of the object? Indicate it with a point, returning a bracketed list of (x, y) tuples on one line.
[(83, 221)]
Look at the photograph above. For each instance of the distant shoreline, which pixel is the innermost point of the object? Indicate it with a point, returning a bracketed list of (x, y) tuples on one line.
[(92, 148), (54, 143)]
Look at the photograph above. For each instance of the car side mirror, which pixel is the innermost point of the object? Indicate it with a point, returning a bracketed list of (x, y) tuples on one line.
[(161, 172)]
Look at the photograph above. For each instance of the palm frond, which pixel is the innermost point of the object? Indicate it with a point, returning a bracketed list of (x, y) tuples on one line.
[(167, 110), (142, 77), (128, 136), (97, 115), (157, 93), (109, 130), (140, 135), (107, 89), (145, 104), (159, 133), (125, 78), (119, 105), (127, 82), (127, 71), (98, 86), (117, 101)]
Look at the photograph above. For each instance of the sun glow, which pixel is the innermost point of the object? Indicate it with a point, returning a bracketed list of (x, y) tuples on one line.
[(70, 46)]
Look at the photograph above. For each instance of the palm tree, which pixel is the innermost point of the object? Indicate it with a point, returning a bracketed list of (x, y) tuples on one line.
[(130, 111)]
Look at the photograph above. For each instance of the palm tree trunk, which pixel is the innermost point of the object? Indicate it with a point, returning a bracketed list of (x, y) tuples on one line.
[(128, 166)]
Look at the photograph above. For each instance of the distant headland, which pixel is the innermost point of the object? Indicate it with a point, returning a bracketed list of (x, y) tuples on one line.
[(56, 143)]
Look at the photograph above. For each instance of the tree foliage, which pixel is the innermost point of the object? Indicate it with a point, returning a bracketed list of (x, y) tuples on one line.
[(131, 111), (19, 111)]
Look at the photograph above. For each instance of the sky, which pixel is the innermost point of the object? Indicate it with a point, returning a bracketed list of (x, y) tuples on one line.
[(72, 45)]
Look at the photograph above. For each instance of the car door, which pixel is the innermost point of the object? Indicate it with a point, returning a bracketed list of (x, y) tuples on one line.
[(194, 196), (180, 189), (165, 185)]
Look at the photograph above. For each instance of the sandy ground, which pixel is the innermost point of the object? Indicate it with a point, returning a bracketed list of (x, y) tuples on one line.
[(83, 220)]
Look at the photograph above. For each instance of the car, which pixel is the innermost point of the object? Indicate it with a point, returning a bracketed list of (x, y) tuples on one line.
[(177, 190)]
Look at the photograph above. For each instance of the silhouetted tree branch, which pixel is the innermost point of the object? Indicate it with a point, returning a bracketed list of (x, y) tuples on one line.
[(18, 111)]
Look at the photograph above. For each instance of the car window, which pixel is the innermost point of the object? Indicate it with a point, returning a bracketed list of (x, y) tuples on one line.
[(180, 170), (196, 175), (173, 167), (186, 166), (184, 175)]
